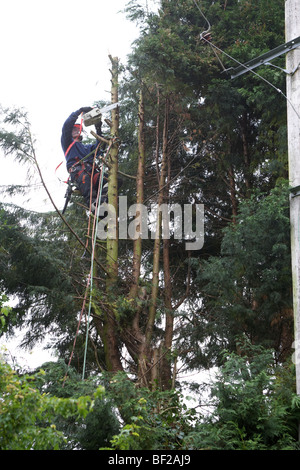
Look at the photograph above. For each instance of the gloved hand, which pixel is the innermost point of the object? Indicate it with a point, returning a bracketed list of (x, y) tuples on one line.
[(98, 127), (85, 109)]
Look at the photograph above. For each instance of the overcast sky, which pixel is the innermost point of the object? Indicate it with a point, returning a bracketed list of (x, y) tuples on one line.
[(54, 59)]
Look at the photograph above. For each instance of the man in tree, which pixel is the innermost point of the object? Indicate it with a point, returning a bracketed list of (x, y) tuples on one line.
[(80, 159)]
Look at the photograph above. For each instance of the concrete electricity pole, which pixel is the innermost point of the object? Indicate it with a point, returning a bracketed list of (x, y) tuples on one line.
[(292, 26)]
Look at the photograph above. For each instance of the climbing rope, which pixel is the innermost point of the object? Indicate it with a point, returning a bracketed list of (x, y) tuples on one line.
[(91, 194), (89, 286), (94, 238)]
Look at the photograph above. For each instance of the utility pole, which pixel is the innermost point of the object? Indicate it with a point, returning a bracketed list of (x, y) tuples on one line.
[(292, 50), (292, 27)]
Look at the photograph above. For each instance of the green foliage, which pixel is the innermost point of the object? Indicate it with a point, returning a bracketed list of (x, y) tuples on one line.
[(251, 413), (88, 432), (152, 420), (254, 409), (253, 401), (33, 270), (226, 139), (15, 137), (132, 434), (27, 416), (248, 287), (5, 312)]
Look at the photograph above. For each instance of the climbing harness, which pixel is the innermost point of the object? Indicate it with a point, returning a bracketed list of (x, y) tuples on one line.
[(72, 186), (90, 118)]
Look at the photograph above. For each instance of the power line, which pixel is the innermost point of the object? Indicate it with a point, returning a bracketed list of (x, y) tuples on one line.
[(202, 37), (209, 25), (254, 73)]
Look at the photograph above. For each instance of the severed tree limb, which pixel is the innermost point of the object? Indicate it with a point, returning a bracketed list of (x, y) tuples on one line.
[(100, 138)]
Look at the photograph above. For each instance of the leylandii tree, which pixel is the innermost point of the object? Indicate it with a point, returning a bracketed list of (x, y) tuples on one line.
[(231, 134), (247, 290), (134, 317)]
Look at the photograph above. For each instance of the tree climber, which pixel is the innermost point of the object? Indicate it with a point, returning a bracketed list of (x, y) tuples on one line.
[(80, 157)]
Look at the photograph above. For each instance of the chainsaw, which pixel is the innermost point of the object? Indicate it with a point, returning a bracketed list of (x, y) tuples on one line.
[(95, 115)]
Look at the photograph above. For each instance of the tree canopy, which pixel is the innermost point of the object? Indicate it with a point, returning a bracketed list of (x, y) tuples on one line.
[(186, 134)]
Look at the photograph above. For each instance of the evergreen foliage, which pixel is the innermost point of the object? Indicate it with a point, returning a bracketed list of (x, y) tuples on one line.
[(27, 416), (250, 411), (247, 288), (85, 432)]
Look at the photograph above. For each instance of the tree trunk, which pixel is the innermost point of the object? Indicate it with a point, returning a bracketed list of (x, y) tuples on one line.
[(146, 361), (136, 337), (244, 126), (109, 331), (137, 244), (233, 198), (166, 380), (157, 241)]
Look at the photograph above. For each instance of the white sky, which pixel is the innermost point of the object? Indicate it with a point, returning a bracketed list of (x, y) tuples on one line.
[(54, 58)]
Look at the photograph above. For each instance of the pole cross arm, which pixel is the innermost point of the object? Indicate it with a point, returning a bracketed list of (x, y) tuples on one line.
[(264, 58)]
